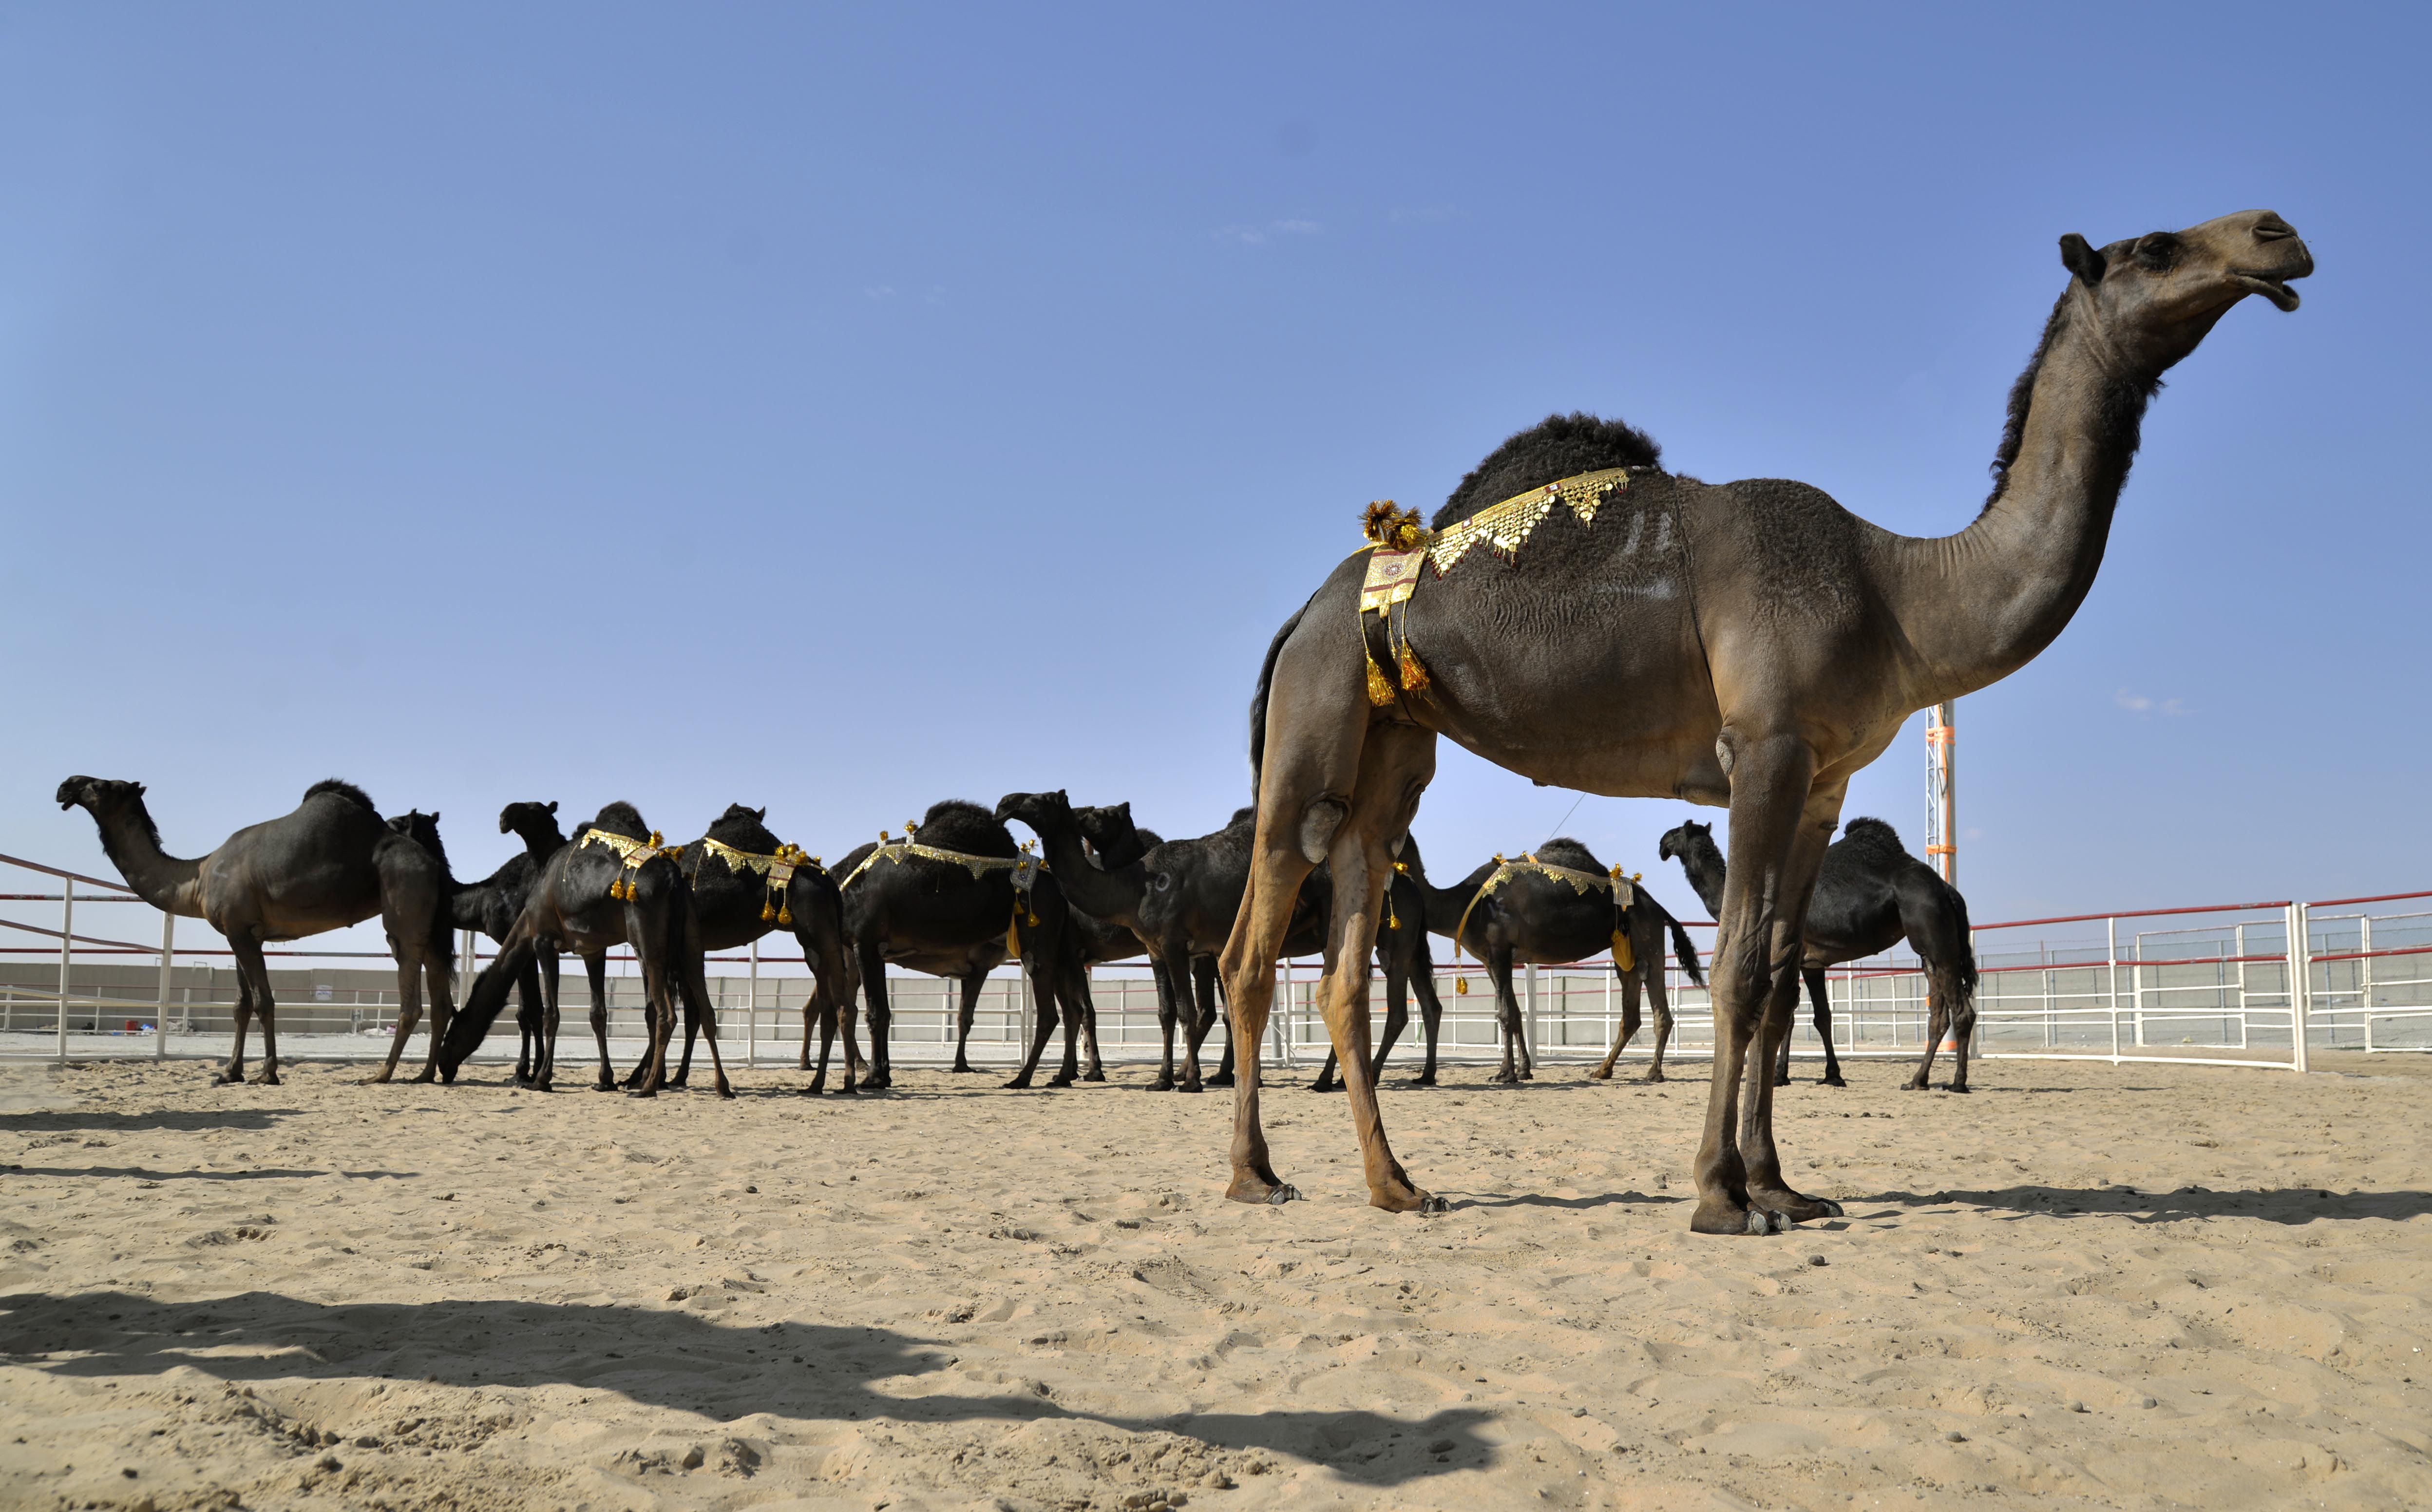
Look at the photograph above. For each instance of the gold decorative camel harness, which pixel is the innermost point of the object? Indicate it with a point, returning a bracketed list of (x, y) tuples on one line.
[(635, 854), (778, 868), (1026, 868), (1398, 545), (1583, 882)]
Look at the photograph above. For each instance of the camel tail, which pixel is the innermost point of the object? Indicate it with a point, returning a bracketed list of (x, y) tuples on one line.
[(1258, 699), (482, 1006), (1687, 952), (1966, 943)]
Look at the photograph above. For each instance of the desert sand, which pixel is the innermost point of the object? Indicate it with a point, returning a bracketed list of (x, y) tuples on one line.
[(2084, 1285)]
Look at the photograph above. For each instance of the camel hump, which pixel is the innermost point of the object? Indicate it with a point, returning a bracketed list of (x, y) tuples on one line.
[(741, 828), (1875, 839), (1565, 851), (349, 791), (956, 824), (621, 818), (1556, 447)]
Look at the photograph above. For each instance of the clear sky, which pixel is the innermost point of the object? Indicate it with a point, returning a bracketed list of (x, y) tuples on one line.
[(838, 411)]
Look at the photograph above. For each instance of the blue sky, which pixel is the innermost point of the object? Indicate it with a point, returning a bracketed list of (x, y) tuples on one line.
[(841, 411)]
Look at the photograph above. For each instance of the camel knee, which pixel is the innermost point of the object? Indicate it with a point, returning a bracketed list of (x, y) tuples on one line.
[(1318, 823)]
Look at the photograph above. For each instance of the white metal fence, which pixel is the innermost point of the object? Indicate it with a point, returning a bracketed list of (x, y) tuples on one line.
[(2209, 985)]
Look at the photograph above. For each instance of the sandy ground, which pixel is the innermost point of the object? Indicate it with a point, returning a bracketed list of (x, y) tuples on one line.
[(2144, 1287)]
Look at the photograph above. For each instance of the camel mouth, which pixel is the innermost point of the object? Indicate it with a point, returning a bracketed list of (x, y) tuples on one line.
[(2271, 287)]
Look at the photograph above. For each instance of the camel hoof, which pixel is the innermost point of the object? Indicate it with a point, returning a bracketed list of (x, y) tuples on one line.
[(1430, 1203), (1763, 1221), (961, 1069), (1835, 1081), (1059, 1078), (1321, 1087), (605, 1086), (726, 1093), (1220, 1078), (1189, 1087), (1020, 1083), (1960, 1086), (1602, 1073), (1284, 1192), (1163, 1083), (1094, 1076), (1656, 1077), (1423, 1081), (266, 1079), (643, 1092)]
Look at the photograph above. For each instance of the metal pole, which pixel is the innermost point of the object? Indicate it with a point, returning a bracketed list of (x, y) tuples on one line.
[(2364, 980), (67, 951), (1942, 790), (1532, 1020), (752, 1015), (2301, 984), (160, 1013), (2111, 927)]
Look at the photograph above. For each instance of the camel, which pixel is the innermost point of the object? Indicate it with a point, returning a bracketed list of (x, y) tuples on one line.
[(1648, 922), (488, 906), (1551, 907), (1871, 894), (330, 863), (1105, 883), (1593, 621), (615, 884), (744, 884), (536, 825), (1408, 966), (955, 913)]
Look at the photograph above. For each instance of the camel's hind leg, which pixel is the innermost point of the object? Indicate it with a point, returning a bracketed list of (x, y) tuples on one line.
[(971, 984), (243, 1015), (1629, 1024), (1821, 1000), (409, 1009), (254, 993), (1393, 770)]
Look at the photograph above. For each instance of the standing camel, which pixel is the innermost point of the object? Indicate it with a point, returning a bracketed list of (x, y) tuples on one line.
[(1611, 627), (744, 884), (1551, 907), (1871, 894), (956, 897), (330, 864), (614, 884), (489, 906)]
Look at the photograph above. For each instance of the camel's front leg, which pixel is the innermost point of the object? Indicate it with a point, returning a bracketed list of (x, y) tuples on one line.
[(409, 1011), (1770, 778), (1659, 1000), (972, 983), (1249, 971), (243, 1014), (1507, 1015), (1818, 996), (1766, 1185), (881, 1019), (1205, 1016), (1629, 1024), (594, 969)]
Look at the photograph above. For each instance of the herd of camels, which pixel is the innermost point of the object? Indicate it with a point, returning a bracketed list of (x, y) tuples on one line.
[(1618, 628)]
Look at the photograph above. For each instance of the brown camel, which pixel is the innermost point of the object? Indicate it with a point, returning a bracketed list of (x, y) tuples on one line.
[(1747, 645), (330, 864)]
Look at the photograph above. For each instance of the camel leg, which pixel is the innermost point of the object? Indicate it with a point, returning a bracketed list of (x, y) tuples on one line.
[(409, 1011), (1394, 769), (1042, 998), (691, 976), (972, 982), (1248, 969), (544, 1069), (659, 991), (256, 978), (1169, 1014), (1506, 1014), (595, 969), (1659, 1000), (1078, 990), (1963, 1026), (1325, 1080), (1431, 1018), (1938, 1024), (1770, 780), (1397, 1008), (243, 1014), (1206, 1014), (1629, 1024), (528, 1011), (881, 1019), (1821, 1000), (1766, 1185)]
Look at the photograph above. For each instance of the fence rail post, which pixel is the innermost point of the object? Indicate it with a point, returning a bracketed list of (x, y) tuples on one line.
[(2301, 985), (67, 952), (752, 1015), (168, 959)]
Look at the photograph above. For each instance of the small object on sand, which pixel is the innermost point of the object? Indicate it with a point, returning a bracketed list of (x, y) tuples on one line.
[(2076, 1406), (1955, 1436), (1815, 1260)]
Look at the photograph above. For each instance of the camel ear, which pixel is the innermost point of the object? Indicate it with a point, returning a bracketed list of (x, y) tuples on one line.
[(434, 815), (759, 814), (552, 805), (2080, 258), (1124, 808), (136, 788)]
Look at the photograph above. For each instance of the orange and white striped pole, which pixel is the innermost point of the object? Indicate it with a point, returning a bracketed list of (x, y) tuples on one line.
[(1942, 790)]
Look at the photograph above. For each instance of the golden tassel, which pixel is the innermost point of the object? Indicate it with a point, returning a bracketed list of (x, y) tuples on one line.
[(1013, 939), (785, 917), (1624, 958), (1380, 692), (1414, 673), (1460, 987), (1391, 922), (768, 910)]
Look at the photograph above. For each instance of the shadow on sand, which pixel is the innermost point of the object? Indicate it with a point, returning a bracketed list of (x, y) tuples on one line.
[(658, 1356), (2292, 1206)]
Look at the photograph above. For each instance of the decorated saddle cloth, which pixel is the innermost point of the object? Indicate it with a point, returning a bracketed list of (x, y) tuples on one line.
[(635, 854), (1614, 885), (1026, 868), (778, 869), (1399, 546)]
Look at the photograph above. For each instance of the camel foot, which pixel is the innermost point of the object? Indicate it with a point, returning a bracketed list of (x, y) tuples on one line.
[(1189, 1087), (725, 1090), (1249, 1188), (878, 1082), (1797, 1208), (1428, 1080), (643, 1092), (604, 1084), (1095, 1073), (1220, 1078), (1323, 1085), (965, 1068), (1726, 1217), (266, 1076), (1654, 1074), (1060, 1079), (1407, 1200), (1958, 1086), (1834, 1081), (1020, 1083), (1505, 1078), (1163, 1083), (1602, 1073)]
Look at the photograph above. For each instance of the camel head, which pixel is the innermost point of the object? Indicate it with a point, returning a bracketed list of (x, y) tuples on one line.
[(1034, 809), (736, 811), (513, 818), (1105, 828), (2158, 294), (100, 795), (1678, 841)]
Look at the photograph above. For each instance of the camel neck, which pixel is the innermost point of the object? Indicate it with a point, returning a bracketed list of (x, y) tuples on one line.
[(169, 883), (541, 843), (1978, 605), (1111, 895), (1704, 868)]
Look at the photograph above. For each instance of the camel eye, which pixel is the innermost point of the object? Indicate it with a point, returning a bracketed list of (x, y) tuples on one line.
[(1164, 881), (2157, 252)]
